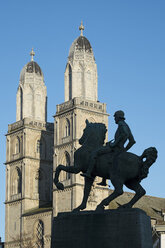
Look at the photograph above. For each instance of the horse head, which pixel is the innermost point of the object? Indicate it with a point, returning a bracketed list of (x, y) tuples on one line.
[(93, 133)]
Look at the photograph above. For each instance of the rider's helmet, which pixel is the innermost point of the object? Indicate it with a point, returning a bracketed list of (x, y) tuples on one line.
[(119, 114)]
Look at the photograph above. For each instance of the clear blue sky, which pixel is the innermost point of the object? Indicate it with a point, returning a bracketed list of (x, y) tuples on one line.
[(128, 41)]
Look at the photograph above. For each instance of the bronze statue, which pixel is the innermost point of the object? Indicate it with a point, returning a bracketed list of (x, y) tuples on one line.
[(114, 147), (110, 162)]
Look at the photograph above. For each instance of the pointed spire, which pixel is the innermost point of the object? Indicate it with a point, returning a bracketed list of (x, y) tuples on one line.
[(81, 28), (32, 53)]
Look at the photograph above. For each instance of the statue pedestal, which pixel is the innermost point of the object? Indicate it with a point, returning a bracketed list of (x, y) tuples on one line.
[(119, 228)]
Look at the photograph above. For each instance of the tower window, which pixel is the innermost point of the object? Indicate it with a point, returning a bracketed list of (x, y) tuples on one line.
[(40, 234), (17, 146), (16, 182), (70, 82), (39, 146), (7, 149), (67, 128)]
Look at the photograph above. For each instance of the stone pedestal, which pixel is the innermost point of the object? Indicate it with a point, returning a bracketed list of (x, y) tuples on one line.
[(120, 228)]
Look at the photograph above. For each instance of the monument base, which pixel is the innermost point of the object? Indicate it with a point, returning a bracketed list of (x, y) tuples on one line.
[(119, 228)]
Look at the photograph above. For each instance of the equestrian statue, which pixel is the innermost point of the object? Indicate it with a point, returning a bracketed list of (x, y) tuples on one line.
[(111, 161)]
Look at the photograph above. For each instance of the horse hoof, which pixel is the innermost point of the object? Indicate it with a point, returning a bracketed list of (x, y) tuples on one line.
[(100, 209), (75, 210), (60, 186), (125, 206)]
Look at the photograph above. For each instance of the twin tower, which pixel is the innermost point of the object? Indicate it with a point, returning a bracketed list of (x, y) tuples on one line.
[(35, 147)]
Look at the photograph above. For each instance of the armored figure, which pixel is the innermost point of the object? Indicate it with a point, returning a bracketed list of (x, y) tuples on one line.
[(114, 147)]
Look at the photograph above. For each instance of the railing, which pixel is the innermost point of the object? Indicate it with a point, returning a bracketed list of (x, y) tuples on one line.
[(87, 104), (31, 123)]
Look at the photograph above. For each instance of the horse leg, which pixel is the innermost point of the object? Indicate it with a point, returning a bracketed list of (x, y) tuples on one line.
[(87, 189), (70, 169), (117, 191), (134, 185)]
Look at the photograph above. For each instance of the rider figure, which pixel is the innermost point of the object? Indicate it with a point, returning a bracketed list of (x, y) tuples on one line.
[(123, 133)]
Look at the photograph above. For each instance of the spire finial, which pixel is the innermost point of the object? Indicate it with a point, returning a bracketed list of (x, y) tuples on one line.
[(32, 53), (81, 28)]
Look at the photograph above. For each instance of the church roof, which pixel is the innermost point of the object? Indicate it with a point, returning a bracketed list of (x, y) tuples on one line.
[(31, 67), (80, 44), (153, 206)]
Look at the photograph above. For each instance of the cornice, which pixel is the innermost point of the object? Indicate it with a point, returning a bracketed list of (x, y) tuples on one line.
[(28, 157)]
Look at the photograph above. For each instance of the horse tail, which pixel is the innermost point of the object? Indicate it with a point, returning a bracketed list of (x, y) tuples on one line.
[(147, 158)]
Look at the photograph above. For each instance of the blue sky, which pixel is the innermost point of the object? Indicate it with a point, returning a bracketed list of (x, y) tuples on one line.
[(128, 39)]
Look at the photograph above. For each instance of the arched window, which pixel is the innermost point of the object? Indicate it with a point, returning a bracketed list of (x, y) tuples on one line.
[(65, 161), (16, 182), (70, 82), (21, 104), (67, 128), (19, 181), (7, 149), (39, 234), (17, 145)]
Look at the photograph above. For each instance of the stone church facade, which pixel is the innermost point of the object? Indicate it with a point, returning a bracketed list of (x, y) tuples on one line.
[(34, 147)]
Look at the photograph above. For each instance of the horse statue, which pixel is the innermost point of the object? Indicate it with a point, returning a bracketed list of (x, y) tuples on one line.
[(128, 169)]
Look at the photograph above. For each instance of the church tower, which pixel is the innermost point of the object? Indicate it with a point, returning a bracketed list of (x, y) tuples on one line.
[(81, 70), (31, 93), (29, 163), (81, 103)]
